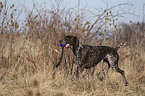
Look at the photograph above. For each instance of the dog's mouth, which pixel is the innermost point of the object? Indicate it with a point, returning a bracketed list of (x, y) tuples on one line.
[(64, 45), (67, 45)]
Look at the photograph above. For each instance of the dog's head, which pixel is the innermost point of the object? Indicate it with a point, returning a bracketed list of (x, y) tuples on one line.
[(70, 41)]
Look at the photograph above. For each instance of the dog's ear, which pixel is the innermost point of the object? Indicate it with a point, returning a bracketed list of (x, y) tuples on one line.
[(76, 41)]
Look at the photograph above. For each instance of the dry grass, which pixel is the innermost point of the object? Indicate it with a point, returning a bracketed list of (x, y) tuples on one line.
[(27, 58), (31, 75), (41, 83)]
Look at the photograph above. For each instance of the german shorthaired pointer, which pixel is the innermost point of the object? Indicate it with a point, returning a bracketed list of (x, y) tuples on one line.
[(89, 56)]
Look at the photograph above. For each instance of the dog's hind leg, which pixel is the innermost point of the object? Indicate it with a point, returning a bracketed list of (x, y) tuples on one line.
[(105, 68), (117, 69), (113, 61)]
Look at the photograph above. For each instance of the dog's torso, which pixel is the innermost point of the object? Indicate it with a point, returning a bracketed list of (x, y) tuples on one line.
[(89, 56)]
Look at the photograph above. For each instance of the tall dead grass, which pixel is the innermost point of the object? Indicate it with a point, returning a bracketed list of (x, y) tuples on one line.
[(27, 58)]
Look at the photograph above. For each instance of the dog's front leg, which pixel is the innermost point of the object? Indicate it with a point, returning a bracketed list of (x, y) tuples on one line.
[(78, 67)]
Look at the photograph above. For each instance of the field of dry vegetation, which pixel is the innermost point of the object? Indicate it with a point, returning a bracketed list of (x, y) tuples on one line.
[(28, 52)]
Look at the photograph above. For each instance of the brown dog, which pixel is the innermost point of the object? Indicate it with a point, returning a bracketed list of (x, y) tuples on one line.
[(89, 56)]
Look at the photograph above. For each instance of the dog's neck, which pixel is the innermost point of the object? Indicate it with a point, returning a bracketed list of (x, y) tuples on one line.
[(76, 49)]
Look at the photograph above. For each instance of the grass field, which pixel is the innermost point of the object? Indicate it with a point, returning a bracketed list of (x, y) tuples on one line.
[(30, 73), (27, 57)]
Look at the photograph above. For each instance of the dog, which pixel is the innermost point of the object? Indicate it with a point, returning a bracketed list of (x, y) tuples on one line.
[(89, 56)]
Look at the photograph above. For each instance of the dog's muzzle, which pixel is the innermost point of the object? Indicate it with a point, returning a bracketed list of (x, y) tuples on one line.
[(64, 45)]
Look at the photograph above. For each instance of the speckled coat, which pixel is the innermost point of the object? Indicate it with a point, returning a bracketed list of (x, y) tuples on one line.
[(89, 56)]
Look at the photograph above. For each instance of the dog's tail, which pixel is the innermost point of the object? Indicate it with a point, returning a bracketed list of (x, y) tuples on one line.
[(122, 44)]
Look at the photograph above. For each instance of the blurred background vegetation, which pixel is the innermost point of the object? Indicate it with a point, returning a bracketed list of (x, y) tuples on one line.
[(27, 51)]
